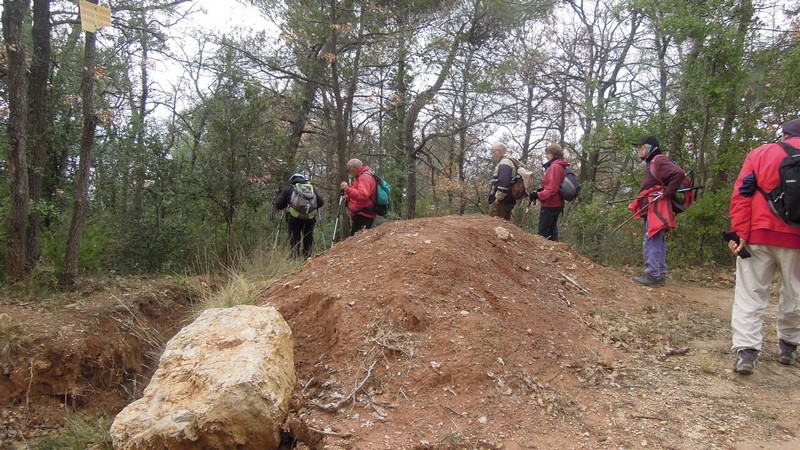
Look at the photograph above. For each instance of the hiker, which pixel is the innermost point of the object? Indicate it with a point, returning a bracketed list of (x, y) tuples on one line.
[(552, 205), (300, 223), (662, 179), (359, 196), (500, 200), (774, 246)]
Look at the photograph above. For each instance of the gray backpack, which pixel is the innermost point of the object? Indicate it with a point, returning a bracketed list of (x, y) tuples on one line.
[(303, 201)]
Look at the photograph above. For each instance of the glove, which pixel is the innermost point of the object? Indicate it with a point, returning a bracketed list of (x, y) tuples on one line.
[(491, 198), (534, 196)]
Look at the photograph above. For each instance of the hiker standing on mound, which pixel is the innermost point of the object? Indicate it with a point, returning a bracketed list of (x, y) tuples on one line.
[(300, 200), (662, 179), (552, 203), (774, 246), (500, 200), (360, 196)]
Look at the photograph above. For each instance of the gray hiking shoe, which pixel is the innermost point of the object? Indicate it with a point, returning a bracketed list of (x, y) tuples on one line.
[(746, 362), (648, 280), (788, 353)]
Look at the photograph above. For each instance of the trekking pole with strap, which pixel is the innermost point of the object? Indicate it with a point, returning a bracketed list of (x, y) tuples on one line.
[(636, 213), (611, 202), (336, 223), (277, 232), (525, 214)]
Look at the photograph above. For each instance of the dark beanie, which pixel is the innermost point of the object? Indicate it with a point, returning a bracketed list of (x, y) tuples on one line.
[(650, 140), (791, 128)]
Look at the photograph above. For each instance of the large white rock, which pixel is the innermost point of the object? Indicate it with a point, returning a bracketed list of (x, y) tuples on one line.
[(223, 382)]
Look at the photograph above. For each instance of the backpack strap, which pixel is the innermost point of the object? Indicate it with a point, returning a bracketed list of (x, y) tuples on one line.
[(653, 170), (790, 151), (788, 148)]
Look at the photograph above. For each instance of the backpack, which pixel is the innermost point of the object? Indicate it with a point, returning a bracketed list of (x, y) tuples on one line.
[(570, 188), (303, 201), (522, 182), (784, 200), (685, 196), (382, 191)]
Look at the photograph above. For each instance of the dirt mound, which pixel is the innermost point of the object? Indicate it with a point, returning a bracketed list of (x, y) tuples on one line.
[(437, 333), (451, 332)]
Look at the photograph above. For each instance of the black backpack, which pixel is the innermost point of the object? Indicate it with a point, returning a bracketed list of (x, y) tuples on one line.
[(784, 200)]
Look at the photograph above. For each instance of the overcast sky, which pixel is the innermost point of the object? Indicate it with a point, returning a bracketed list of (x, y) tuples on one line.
[(226, 13)]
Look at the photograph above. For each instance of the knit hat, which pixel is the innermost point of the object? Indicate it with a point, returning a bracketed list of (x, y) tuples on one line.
[(297, 177), (791, 128)]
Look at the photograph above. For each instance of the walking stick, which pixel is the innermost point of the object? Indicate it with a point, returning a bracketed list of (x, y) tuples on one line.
[(277, 233), (336, 223), (525, 214), (611, 202), (636, 213)]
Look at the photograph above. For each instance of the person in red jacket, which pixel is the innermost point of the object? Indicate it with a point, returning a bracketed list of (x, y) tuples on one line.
[(774, 246), (360, 196), (661, 180), (552, 203)]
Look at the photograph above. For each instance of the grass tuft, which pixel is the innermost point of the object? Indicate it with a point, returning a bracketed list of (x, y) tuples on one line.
[(13, 339), (80, 433), (251, 276)]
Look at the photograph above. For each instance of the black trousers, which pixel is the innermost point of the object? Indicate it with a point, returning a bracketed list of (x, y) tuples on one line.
[(360, 222), (301, 231), (548, 222)]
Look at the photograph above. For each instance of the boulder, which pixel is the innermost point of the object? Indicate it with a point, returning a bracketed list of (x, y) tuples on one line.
[(225, 381)]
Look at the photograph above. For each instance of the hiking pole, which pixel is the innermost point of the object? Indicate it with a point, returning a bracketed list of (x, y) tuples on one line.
[(336, 223), (636, 213), (611, 202), (525, 214), (277, 233)]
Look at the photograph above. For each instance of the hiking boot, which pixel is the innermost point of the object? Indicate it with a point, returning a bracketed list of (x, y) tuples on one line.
[(788, 353), (648, 280), (746, 362)]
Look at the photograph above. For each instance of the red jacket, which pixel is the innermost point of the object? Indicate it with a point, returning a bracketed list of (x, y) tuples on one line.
[(751, 217), (360, 196), (551, 182), (660, 215)]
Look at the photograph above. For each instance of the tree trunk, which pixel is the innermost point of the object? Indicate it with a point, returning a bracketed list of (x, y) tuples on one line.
[(81, 203), (40, 120), (14, 12)]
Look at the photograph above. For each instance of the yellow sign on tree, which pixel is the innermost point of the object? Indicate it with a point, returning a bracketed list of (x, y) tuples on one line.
[(94, 17)]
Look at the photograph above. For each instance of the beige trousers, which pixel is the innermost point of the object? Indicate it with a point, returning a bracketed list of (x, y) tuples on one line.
[(754, 277)]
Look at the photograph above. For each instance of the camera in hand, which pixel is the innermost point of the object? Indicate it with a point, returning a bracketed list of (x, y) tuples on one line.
[(731, 236)]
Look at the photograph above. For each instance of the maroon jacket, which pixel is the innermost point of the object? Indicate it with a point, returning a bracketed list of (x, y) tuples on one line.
[(669, 177)]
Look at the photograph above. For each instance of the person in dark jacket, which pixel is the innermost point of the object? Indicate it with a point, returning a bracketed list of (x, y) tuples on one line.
[(662, 179), (300, 224), (501, 203), (774, 247), (552, 203)]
